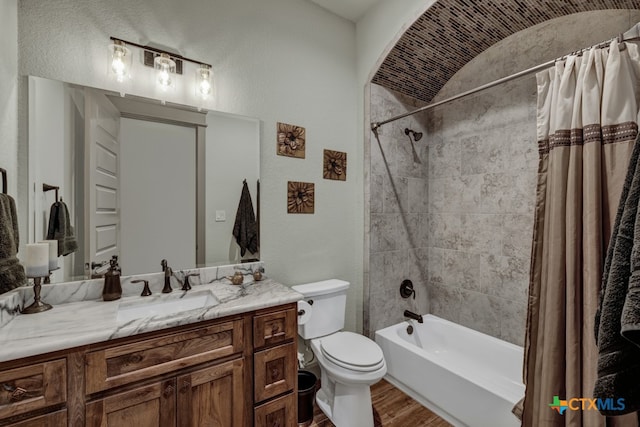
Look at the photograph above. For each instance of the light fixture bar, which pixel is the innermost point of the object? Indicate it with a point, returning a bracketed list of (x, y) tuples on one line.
[(159, 51)]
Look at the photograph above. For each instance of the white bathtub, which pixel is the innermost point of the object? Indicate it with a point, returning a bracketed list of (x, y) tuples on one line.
[(466, 377)]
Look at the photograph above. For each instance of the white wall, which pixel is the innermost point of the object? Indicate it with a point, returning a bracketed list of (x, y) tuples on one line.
[(278, 60), (229, 137)]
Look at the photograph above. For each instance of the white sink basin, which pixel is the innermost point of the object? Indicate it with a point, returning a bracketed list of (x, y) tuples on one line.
[(165, 305)]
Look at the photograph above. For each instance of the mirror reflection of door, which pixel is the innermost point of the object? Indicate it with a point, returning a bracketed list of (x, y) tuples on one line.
[(158, 195), (102, 179)]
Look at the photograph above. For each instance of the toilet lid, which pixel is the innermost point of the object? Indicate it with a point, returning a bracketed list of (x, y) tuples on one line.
[(352, 351)]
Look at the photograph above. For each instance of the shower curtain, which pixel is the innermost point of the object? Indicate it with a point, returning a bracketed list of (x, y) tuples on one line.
[(586, 127)]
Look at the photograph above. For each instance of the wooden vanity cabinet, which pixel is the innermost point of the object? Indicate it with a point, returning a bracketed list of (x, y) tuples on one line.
[(235, 371)]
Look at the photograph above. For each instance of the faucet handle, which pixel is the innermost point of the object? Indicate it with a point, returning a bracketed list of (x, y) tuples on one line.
[(145, 291), (187, 285)]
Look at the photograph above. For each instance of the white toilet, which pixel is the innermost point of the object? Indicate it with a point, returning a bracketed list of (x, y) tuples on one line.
[(349, 362)]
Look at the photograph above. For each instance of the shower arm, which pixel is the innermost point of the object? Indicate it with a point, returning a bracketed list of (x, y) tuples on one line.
[(630, 35)]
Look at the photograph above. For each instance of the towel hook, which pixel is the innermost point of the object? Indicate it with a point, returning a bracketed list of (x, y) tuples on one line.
[(47, 187), (4, 180)]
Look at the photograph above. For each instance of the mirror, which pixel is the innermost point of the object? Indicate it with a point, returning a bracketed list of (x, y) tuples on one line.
[(141, 180)]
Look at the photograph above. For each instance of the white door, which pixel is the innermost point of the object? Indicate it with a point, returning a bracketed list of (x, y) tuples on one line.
[(158, 197), (102, 178)]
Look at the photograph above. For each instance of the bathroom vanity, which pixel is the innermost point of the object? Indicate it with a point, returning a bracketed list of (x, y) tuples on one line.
[(233, 360)]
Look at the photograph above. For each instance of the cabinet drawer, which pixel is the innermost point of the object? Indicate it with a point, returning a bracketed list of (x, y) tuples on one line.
[(144, 359), (277, 413), (33, 387), (274, 328), (55, 419), (274, 371)]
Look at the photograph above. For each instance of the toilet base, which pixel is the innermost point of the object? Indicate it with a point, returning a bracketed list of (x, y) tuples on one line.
[(351, 405)]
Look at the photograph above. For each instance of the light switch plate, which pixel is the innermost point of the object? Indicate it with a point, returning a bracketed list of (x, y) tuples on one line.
[(221, 216)]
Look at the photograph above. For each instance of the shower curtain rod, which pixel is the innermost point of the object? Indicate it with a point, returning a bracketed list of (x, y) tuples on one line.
[(632, 34)]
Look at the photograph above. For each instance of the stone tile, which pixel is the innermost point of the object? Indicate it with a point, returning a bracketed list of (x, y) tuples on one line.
[(444, 231), (376, 193), (496, 192), (395, 195), (436, 195), (481, 233), (418, 195), (462, 269), (513, 322), (517, 237), (505, 277), (410, 232), (524, 192), (383, 155), (523, 150), (412, 156), (471, 196), (418, 266), (445, 302), (452, 194), (480, 312), (384, 232), (444, 158), (482, 154), (435, 267)]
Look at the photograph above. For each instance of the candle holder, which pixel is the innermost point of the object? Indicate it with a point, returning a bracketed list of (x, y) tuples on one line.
[(37, 306), (47, 279)]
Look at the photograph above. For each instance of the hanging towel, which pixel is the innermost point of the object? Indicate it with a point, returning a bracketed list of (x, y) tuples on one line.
[(11, 271), (60, 229), (245, 229), (618, 357)]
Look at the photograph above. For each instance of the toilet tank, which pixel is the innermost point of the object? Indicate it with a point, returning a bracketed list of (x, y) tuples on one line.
[(328, 300)]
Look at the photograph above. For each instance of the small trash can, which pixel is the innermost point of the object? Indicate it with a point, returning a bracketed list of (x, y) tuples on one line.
[(306, 394)]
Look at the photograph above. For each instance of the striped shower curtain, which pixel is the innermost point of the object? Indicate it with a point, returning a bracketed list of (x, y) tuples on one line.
[(586, 127)]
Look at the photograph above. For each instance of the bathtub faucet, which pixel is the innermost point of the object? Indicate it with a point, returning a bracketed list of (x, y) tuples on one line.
[(412, 315)]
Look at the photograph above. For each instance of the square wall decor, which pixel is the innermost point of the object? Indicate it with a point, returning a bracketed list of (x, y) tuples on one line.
[(335, 165), (300, 197), (291, 140)]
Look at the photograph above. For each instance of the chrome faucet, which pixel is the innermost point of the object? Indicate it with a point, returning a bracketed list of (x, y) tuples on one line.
[(168, 272), (412, 315)]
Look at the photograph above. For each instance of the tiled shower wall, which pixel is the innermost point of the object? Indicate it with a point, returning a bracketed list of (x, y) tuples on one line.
[(456, 214), (474, 236), (399, 209)]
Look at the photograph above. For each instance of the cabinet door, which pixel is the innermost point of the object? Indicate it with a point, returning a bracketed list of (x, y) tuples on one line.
[(147, 406), (212, 396), (280, 412)]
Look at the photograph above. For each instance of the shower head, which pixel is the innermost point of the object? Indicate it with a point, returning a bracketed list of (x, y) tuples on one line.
[(416, 135)]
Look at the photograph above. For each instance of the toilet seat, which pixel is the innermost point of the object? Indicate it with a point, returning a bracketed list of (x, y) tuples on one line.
[(352, 351)]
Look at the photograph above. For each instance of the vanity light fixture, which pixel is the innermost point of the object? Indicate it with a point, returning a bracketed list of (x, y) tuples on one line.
[(167, 65), (119, 61)]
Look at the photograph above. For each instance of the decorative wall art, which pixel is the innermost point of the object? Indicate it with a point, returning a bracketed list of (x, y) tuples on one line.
[(335, 165), (291, 140), (300, 197)]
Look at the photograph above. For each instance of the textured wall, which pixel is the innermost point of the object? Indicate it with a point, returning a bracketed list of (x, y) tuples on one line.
[(268, 63), (481, 174)]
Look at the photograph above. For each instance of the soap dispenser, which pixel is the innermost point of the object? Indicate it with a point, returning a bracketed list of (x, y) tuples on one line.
[(112, 289)]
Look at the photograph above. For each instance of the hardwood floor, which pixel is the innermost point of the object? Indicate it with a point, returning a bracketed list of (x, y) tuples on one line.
[(391, 408)]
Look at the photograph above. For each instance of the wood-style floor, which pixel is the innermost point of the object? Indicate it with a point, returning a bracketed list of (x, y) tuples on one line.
[(391, 408)]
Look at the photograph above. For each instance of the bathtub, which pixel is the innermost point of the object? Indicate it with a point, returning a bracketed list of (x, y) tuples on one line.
[(466, 377)]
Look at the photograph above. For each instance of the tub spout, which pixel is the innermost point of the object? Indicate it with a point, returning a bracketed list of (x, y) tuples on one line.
[(412, 315)]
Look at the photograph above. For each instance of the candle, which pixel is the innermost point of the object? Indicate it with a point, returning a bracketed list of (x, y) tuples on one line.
[(53, 254), (37, 264)]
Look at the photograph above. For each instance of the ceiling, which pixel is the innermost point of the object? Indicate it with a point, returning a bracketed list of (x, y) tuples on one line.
[(452, 32), (348, 9)]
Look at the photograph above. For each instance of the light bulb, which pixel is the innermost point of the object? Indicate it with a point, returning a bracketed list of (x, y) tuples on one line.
[(165, 67), (119, 61), (203, 81)]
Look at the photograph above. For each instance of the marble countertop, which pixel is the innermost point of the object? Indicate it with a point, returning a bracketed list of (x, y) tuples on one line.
[(78, 323)]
